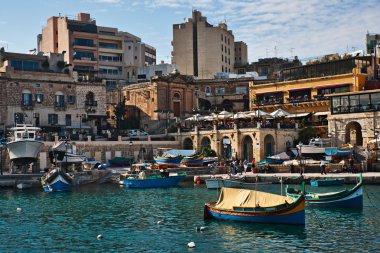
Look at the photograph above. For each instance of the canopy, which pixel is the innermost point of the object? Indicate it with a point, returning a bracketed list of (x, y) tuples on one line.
[(257, 113), (281, 156), (225, 115), (321, 113), (298, 115), (240, 115), (231, 197), (195, 117), (279, 113)]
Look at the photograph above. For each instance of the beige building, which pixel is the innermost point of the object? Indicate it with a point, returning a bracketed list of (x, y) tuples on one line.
[(201, 49), (40, 90), (241, 53), (96, 52)]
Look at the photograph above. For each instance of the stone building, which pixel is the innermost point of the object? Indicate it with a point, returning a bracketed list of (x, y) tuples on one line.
[(40, 90), (201, 49)]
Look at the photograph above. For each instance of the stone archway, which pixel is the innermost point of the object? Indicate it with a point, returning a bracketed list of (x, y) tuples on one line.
[(226, 147), (353, 134), (247, 148), (269, 145), (205, 143), (188, 144)]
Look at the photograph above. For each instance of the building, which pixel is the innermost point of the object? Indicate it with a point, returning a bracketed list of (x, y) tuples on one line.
[(302, 90), (147, 72), (201, 49), (96, 52), (40, 90), (241, 54), (268, 67), (371, 41)]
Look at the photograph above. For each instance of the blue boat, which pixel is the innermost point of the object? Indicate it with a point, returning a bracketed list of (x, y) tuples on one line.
[(168, 161), (195, 160), (56, 180), (120, 161), (153, 179), (327, 182), (352, 198), (256, 207)]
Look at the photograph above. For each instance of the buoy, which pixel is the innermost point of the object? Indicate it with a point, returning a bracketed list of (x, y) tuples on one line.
[(19, 209), (202, 228), (100, 236), (191, 245), (159, 222)]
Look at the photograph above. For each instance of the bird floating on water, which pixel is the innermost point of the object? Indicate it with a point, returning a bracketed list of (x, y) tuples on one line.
[(191, 245)]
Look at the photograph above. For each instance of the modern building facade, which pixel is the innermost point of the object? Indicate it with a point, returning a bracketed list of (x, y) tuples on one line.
[(96, 52), (201, 49)]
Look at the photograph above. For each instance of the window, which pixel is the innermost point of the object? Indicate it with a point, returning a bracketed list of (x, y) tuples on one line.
[(68, 119), (135, 57), (225, 49), (19, 118), (39, 98), (24, 65), (228, 41), (84, 42), (71, 99), (109, 71), (52, 119), (219, 91), (208, 91), (241, 90), (222, 58), (228, 51), (79, 55), (158, 73), (108, 45), (221, 36), (38, 85), (222, 47), (116, 58), (222, 68), (59, 99), (129, 47), (26, 99)]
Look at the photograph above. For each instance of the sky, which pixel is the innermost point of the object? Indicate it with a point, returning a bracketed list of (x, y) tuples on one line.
[(271, 28)]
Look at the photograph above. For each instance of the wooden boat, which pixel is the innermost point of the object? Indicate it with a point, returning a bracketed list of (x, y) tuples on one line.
[(327, 182), (65, 151), (153, 179), (168, 161), (352, 198), (195, 160), (257, 207), (56, 180), (120, 161)]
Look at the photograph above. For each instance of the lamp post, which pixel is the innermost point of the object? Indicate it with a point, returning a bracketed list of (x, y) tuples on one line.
[(330, 137), (299, 148), (376, 147), (80, 116)]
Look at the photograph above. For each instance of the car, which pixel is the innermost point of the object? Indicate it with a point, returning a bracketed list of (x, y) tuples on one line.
[(137, 132)]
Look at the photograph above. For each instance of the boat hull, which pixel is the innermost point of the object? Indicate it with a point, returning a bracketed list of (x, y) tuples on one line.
[(154, 182), (217, 183), (294, 214), (24, 150), (331, 182), (354, 200), (168, 161), (59, 184)]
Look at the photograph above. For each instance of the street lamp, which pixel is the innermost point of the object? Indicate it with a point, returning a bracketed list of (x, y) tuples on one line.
[(376, 147), (330, 137), (299, 149)]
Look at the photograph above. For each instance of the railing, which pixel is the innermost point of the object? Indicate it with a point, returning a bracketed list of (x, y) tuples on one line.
[(357, 108), (298, 100), (271, 102)]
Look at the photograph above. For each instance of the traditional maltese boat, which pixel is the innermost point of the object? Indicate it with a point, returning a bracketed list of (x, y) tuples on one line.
[(56, 180), (153, 179), (168, 161), (352, 198), (195, 160), (256, 207)]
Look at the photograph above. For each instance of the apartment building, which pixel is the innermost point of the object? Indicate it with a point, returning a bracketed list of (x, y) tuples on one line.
[(201, 49), (96, 52)]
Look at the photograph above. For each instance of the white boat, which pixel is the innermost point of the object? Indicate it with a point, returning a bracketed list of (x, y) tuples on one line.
[(315, 149), (24, 148), (65, 152)]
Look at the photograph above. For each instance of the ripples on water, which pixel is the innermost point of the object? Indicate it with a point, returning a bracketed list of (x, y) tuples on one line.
[(128, 219)]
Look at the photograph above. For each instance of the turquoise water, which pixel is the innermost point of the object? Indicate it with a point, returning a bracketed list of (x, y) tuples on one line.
[(70, 222)]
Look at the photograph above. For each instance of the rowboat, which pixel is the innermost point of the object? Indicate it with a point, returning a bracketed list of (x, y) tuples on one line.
[(352, 198), (195, 160), (153, 179), (327, 182), (256, 207), (56, 180), (168, 161)]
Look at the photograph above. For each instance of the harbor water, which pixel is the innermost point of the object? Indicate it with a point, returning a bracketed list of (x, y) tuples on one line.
[(165, 220)]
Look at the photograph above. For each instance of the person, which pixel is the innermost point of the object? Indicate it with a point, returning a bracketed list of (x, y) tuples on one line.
[(253, 164), (323, 167), (233, 167), (292, 168), (245, 164)]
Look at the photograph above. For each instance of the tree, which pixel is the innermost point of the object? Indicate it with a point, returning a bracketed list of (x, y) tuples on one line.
[(208, 152), (120, 110), (305, 135)]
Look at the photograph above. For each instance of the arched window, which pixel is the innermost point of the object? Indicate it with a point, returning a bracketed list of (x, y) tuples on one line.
[(59, 99), (90, 99), (177, 96), (26, 98)]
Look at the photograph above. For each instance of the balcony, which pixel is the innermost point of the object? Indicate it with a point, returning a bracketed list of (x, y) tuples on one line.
[(85, 47), (92, 60), (270, 102), (91, 103), (299, 99), (60, 106), (27, 105)]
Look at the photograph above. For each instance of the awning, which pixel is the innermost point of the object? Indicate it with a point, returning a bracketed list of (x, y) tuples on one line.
[(328, 86), (270, 92), (321, 113), (299, 89), (298, 115)]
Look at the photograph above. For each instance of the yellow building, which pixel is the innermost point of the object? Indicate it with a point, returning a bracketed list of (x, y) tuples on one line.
[(301, 91)]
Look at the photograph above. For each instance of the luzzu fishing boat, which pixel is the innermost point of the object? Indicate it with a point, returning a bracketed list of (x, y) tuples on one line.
[(352, 198), (153, 178), (256, 207), (195, 160), (168, 161), (56, 180), (327, 182)]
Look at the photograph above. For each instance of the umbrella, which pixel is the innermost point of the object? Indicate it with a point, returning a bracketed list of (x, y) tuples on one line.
[(224, 115), (240, 115), (195, 117), (279, 113), (257, 113)]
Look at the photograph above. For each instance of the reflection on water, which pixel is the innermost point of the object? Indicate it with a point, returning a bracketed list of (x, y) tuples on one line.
[(128, 219)]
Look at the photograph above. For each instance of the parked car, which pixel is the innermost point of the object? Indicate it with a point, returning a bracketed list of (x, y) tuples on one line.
[(136, 132)]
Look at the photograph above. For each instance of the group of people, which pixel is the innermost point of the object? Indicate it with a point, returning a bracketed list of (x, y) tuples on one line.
[(239, 166)]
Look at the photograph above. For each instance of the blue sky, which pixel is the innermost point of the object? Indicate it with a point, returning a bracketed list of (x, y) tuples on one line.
[(281, 28)]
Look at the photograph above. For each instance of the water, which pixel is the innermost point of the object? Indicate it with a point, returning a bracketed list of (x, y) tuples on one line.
[(70, 222)]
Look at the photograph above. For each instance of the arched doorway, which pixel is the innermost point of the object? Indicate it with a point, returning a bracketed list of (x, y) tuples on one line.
[(226, 148), (247, 148), (269, 147), (205, 143), (188, 144), (354, 134)]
